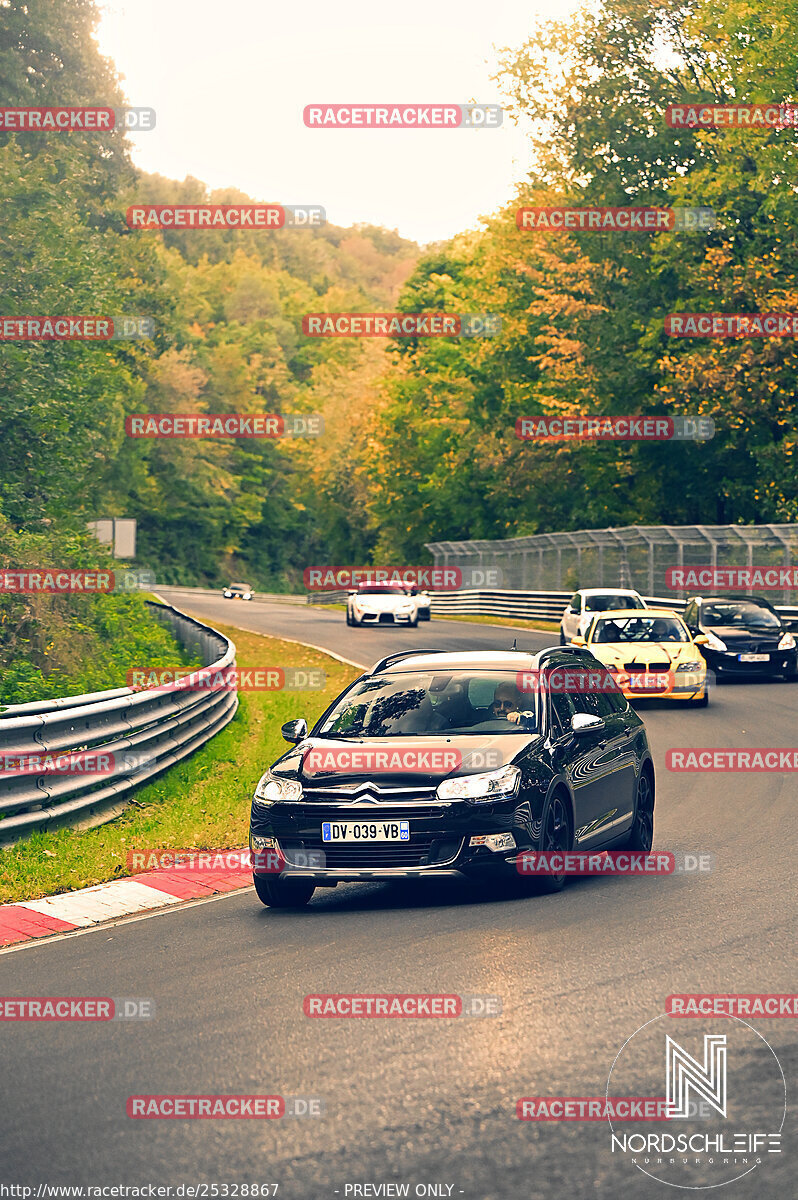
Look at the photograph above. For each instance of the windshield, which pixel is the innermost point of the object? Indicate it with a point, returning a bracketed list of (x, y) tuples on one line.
[(640, 629), (377, 589), (413, 704), (240, 587), (603, 603), (739, 612)]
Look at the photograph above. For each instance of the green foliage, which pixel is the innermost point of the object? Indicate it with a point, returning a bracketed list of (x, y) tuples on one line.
[(58, 645)]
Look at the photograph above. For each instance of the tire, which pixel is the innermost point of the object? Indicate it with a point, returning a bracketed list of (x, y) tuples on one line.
[(283, 893), (414, 624), (348, 617), (641, 835), (563, 642), (703, 702), (555, 835)]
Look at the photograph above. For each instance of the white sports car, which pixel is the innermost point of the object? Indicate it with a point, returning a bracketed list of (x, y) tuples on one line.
[(382, 604)]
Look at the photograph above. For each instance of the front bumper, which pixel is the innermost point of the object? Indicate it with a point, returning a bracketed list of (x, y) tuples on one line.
[(727, 662), (439, 844), (383, 618)]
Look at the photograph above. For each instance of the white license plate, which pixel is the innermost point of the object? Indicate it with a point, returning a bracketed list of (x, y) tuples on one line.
[(365, 831), (754, 658)]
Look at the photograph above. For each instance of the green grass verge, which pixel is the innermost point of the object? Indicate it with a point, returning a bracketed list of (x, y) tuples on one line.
[(512, 622), (202, 803)]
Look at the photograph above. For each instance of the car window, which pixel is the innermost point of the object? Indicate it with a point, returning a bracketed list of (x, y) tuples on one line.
[(595, 703), (601, 602), (741, 613), (562, 710)]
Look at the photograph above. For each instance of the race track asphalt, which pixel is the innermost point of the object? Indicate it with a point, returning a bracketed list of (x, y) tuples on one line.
[(422, 1101)]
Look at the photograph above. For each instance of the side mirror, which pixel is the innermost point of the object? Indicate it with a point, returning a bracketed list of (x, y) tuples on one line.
[(585, 723), (578, 640), (295, 731), (701, 639)]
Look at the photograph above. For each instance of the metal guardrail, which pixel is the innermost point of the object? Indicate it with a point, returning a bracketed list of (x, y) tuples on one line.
[(141, 732), (525, 606)]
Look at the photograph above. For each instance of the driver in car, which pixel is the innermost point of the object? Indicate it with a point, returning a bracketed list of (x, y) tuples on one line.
[(506, 704)]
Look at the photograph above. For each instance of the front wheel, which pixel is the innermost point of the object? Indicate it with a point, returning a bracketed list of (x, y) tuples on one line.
[(702, 701), (641, 835), (562, 637), (555, 838), (283, 893)]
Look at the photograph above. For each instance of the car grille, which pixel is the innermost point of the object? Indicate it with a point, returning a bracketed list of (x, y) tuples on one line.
[(386, 797), (424, 850), (639, 667)]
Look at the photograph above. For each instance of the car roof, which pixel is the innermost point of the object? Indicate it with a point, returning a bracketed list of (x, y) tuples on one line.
[(730, 596), (642, 613), (475, 660), (608, 591)]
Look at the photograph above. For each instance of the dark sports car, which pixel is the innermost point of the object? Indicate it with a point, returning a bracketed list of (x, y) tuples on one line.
[(437, 763), (746, 636)]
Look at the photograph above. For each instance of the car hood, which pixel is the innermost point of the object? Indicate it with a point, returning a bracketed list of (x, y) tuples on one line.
[(611, 653), (317, 762), (735, 635)]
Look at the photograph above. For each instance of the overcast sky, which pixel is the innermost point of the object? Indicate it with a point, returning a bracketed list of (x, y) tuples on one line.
[(229, 80)]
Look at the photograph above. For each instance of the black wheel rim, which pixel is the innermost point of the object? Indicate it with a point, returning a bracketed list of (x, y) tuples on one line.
[(644, 817), (555, 832)]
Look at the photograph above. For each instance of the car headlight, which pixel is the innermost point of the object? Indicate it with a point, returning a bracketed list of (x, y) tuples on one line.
[(715, 643), (787, 642), (272, 789), (405, 608), (228, 595), (483, 788), (247, 595), (692, 665)]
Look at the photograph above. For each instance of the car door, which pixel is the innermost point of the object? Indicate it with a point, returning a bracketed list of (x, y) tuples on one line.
[(576, 757), (610, 798), (570, 620)]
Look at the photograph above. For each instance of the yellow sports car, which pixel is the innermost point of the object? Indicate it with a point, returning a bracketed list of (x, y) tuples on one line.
[(651, 652)]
